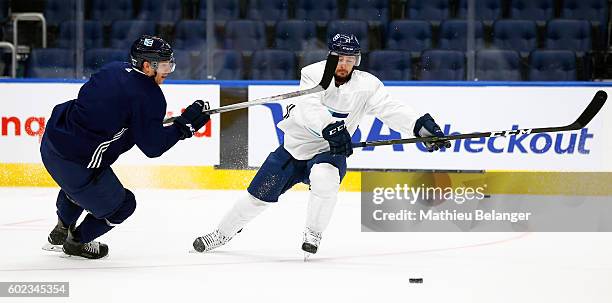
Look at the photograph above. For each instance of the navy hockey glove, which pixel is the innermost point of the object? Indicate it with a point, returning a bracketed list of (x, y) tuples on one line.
[(425, 126), (339, 139), (192, 119)]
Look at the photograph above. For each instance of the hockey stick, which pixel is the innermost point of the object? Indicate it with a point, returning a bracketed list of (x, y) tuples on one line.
[(587, 115), (328, 75)]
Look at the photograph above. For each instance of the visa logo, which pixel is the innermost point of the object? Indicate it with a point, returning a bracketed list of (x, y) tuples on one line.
[(519, 141)]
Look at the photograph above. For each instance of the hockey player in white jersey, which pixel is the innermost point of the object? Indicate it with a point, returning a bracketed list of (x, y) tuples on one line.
[(317, 142)]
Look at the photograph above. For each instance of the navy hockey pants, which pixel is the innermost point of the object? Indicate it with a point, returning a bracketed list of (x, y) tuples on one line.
[(98, 191), (281, 171)]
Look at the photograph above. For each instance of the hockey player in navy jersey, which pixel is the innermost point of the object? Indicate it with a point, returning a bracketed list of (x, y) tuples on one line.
[(121, 105), (317, 142)]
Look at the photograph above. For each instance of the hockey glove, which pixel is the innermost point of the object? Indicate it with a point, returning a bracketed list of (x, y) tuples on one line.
[(425, 126), (339, 139), (192, 119)]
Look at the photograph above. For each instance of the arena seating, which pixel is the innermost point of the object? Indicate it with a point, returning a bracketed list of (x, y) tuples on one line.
[(401, 40)]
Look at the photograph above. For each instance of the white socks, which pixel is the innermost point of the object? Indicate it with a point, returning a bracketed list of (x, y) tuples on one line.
[(324, 186), (242, 213)]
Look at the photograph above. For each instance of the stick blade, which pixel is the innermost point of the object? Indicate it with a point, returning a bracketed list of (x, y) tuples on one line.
[(594, 107)]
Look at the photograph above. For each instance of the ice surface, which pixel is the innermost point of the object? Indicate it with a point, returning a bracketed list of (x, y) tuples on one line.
[(149, 257)]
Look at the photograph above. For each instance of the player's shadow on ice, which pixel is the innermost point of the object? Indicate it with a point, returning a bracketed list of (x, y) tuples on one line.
[(298, 258)]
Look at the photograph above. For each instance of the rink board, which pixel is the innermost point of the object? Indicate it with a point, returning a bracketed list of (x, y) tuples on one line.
[(465, 109), (26, 106), (205, 177)]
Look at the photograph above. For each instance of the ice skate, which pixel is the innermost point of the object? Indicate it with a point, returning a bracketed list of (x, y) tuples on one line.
[(90, 250), (210, 241), (57, 237), (312, 239)]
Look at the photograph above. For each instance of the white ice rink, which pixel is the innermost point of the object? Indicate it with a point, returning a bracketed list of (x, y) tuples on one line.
[(150, 261)]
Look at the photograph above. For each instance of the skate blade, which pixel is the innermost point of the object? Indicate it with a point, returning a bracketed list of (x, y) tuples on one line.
[(193, 251), (307, 256), (67, 256), (51, 247)]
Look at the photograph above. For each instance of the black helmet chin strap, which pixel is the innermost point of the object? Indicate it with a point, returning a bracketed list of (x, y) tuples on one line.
[(141, 70), (154, 66), (348, 78)]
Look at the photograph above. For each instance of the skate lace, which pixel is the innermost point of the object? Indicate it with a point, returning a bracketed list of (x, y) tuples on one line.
[(92, 247), (312, 237), (214, 240)]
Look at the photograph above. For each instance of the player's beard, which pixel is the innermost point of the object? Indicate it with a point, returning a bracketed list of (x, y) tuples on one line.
[(342, 79)]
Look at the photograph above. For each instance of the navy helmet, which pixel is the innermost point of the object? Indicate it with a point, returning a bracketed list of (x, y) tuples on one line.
[(154, 50), (345, 45)]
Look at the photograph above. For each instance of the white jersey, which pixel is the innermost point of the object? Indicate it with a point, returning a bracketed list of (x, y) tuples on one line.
[(362, 94)]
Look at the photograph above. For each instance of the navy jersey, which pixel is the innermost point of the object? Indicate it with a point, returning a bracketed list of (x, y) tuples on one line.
[(118, 107)]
